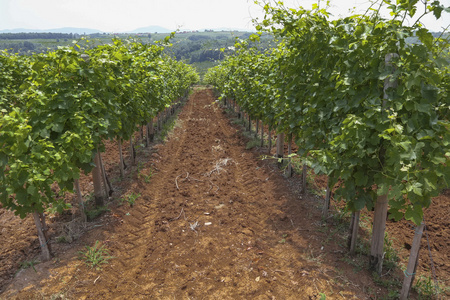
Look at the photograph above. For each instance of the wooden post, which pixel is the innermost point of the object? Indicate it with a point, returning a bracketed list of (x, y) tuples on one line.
[(257, 128), (354, 232), (132, 154), (379, 227), (97, 180), (43, 239), (326, 204), (80, 199), (289, 168), (381, 206), (249, 124), (147, 138), (280, 145), (262, 134), (121, 165), (44, 224), (412, 262), (108, 187), (150, 131), (269, 148)]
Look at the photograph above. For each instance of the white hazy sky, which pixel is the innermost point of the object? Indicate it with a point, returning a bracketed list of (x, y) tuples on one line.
[(120, 15)]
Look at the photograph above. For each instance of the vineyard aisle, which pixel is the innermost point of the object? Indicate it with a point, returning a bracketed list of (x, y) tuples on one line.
[(213, 222)]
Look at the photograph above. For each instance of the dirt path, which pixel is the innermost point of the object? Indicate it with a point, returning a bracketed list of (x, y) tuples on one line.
[(214, 222)]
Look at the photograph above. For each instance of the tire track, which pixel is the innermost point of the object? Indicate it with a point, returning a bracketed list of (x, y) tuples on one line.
[(209, 225)]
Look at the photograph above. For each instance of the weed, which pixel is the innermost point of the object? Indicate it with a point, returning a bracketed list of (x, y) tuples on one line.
[(322, 296), (95, 212), (392, 294), (130, 198), (146, 177), (139, 146), (363, 248), (95, 256), (253, 143), (426, 289), (236, 121), (390, 254), (341, 229), (309, 255), (57, 296), (283, 240), (169, 126), (29, 263), (139, 168), (358, 262), (230, 111), (61, 239), (390, 283)]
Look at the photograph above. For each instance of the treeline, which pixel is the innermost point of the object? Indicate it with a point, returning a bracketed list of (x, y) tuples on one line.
[(196, 48), (37, 35), (201, 48), (21, 47)]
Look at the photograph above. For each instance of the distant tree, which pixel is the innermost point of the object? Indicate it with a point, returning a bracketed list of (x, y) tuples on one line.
[(197, 37), (28, 46)]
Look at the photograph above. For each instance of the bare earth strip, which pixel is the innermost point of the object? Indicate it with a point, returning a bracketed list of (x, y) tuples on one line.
[(214, 222)]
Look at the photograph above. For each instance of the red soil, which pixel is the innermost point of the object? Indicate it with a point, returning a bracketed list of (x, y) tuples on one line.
[(213, 222)]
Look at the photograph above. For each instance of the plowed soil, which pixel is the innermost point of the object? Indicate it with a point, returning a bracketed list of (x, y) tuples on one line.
[(213, 222)]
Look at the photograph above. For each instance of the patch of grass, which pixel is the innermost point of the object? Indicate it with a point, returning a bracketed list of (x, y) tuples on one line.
[(29, 263), (95, 256), (363, 247), (130, 198), (61, 239), (146, 177), (57, 296), (391, 283), (238, 121), (283, 240), (253, 143), (168, 127), (358, 262), (309, 256), (95, 212), (139, 168), (340, 220), (392, 294), (341, 229), (391, 256), (426, 289)]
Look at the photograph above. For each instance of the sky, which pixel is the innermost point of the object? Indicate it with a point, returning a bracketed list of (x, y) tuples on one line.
[(122, 16)]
